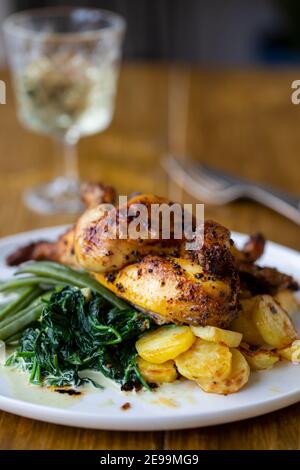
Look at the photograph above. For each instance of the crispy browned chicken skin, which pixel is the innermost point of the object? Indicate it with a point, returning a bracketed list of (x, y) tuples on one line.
[(175, 290), (62, 250), (98, 252), (161, 277)]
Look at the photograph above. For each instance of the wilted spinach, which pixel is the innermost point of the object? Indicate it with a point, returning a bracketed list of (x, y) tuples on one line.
[(80, 330)]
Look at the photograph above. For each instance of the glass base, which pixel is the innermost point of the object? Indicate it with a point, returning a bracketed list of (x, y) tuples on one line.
[(60, 196)]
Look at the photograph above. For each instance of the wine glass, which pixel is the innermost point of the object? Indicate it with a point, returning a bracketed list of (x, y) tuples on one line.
[(64, 64)]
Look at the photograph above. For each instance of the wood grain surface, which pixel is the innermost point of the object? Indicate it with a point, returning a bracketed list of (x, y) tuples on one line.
[(241, 121)]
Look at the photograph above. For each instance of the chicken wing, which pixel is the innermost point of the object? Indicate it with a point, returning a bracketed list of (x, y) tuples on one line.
[(62, 250)]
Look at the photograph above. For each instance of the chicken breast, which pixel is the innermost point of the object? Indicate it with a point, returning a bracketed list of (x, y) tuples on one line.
[(102, 240), (175, 290)]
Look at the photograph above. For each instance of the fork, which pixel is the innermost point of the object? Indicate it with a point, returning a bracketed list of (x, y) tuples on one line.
[(216, 187)]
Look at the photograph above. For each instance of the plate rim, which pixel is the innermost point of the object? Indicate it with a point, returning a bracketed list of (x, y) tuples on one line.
[(123, 421)]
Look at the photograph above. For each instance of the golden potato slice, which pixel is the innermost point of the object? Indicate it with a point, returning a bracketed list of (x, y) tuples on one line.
[(237, 378), (165, 343), (244, 323), (205, 360), (272, 322), (292, 352), (157, 373), (288, 301), (231, 339), (260, 359)]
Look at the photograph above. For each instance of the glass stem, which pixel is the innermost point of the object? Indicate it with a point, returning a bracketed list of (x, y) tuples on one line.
[(71, 162), (62, 195), (67, 150)]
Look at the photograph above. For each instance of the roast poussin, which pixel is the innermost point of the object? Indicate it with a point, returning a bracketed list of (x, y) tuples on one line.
[(159, 276)]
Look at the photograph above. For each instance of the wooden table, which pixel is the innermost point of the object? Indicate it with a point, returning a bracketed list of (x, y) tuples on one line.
[(242, 121)]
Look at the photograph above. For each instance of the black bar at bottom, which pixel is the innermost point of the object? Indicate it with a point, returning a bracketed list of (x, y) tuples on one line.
[(134, 459)]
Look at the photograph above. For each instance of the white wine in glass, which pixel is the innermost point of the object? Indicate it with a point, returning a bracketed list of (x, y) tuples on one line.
[(65, 65)]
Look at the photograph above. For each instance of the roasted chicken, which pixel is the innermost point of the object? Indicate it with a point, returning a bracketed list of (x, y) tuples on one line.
[(175, 290), (63, 250), (160, 276), (97, 251)]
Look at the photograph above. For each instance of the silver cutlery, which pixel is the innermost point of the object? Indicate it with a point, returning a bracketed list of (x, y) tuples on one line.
[(216, 187)]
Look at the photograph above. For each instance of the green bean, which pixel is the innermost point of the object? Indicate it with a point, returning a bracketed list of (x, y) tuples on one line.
[(25, 281), (20, 322), (24, 299), (20, 312), (16, 315), (70, 276)]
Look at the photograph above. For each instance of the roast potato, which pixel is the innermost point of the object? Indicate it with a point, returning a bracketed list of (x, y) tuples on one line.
[(273, 323), (157, 373), (288, 301), (259, 359), (244, 323), (165, 343), (205, 360), (238, 377), (292, 352), (229, 338)]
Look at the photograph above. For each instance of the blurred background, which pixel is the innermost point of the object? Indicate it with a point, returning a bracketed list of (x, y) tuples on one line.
[(215, 32), (208, 79)]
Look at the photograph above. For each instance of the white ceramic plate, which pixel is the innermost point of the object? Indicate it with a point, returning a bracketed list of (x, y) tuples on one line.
[(174, 406)]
